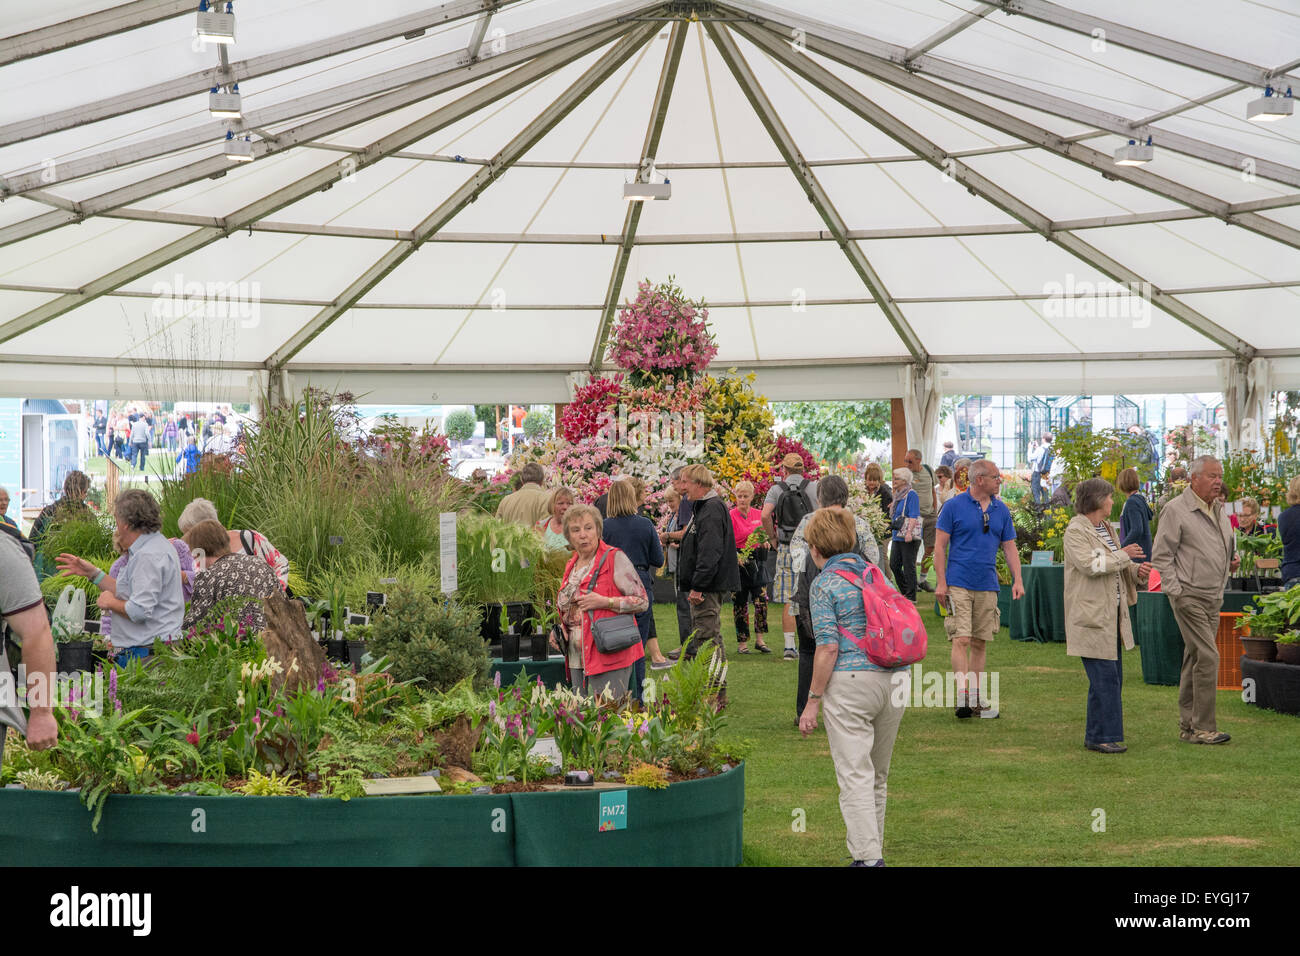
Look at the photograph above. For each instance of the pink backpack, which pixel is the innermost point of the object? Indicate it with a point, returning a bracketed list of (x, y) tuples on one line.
[(895, 634)]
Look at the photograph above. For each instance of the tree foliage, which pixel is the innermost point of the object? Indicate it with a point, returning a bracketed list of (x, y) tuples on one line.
[(834, 430)]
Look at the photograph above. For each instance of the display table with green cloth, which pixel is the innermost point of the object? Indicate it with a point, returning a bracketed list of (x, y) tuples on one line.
[(692, 823), (1040, 614), (551, 671), (1155, 630)]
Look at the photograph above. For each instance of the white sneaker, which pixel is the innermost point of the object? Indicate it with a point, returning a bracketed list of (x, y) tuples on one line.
[(791, 654)]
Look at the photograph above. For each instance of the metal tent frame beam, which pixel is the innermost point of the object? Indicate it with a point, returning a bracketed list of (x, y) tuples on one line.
[(313, 182), (92, 26), (632, 217), (661, 239), (426, 78), (881, 68), (296, 136), (467, 193), (242, 70), (946, 33), (1152, 45), (846, 46), (851, 99), (812, 187)]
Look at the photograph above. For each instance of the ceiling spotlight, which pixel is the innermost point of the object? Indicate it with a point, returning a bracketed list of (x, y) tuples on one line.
[(215, 27), (239, 150), (1135, 153), (224, 105), (640, 192), (1270, 107)]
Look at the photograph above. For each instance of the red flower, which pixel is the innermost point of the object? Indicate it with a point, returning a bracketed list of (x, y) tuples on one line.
[(193, 737)]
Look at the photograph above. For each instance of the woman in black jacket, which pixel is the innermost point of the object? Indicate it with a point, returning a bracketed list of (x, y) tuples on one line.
[(635, 536), (1135, 519), (707, 563)]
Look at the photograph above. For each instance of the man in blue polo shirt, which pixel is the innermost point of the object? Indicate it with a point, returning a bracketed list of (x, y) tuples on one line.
[(976, 523)]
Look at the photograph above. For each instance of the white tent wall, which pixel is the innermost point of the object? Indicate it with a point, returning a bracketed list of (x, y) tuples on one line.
[(506, 296)]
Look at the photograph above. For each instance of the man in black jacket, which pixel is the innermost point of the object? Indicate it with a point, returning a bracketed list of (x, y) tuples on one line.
[(707, 563)]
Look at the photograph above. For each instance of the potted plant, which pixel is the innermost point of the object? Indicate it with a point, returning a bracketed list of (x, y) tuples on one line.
[(1288, 648), (1273, 614), (73, 647), (540, 637), (356, 643), (509, 637), (334, 624)]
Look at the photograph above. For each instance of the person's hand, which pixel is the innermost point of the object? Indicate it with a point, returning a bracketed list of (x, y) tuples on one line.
[(1236, 562), (106, 600), (808, 719), (941, 593), (1144, 570), (695, 597), (589, 601), (71, 564), (555, 645), (1133, 550), (1017, 591), (42, 730)]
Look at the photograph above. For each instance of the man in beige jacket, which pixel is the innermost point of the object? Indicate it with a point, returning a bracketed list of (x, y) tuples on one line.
[(1194, 553), (531, 503)]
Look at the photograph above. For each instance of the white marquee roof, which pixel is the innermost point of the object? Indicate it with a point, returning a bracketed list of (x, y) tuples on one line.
[(857, 187)]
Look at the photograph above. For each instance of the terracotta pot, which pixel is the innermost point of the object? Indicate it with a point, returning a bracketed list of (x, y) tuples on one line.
[(1259, 648)]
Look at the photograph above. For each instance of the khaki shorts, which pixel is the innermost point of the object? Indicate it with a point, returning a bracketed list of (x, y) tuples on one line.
[(928, 526), (974, 614)]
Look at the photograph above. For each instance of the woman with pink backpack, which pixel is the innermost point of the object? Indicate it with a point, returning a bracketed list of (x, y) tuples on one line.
[(866, 633)]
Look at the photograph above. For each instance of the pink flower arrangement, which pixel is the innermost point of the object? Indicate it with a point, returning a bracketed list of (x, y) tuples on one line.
[(582, 417), (784, 445), (662, 335)]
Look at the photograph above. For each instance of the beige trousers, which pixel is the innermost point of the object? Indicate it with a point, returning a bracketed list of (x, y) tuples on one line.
[(861, 724), (1198, 620)]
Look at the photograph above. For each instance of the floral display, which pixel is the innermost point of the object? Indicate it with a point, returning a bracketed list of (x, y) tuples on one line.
[(662, 337)]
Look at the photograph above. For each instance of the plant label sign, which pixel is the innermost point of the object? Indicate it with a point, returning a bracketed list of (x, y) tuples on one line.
[(613, 810), (1041, 559), (447, 550)]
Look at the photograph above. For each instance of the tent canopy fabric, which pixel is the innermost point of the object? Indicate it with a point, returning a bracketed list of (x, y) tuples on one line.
[(870, 196)]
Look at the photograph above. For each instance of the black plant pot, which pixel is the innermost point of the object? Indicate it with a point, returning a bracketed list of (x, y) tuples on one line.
[(540, 646), (75, 656), (336, 650), (490, 625), (509, 647), (518, 613), (1243, 584), (356, 651)]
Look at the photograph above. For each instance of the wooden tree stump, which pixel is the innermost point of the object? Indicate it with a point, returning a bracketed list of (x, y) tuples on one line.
[(289, 641)]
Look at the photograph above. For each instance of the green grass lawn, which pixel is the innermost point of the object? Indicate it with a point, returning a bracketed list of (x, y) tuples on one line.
[(1020, 790)]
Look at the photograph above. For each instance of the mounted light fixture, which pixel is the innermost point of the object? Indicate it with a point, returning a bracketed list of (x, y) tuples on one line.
[(640, 192), (225, 105), (1135, 153), (216, 27), (239, 150), (1270, 107)]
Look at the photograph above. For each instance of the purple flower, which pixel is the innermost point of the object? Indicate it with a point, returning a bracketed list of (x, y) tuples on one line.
[(496, 680), (492, 709)]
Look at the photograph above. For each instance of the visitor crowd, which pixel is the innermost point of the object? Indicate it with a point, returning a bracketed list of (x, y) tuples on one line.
[(802, 548), (137, 431)]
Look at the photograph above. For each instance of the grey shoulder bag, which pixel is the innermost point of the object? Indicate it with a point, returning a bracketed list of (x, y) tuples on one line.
[(611, 634)]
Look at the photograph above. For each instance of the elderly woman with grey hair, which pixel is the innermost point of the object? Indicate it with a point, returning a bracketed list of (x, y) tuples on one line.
[(1100, 585), (241, 542), (905, 520)]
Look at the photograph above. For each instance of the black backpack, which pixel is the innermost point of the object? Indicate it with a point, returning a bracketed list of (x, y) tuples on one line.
[(791, 508), (28, 548)]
